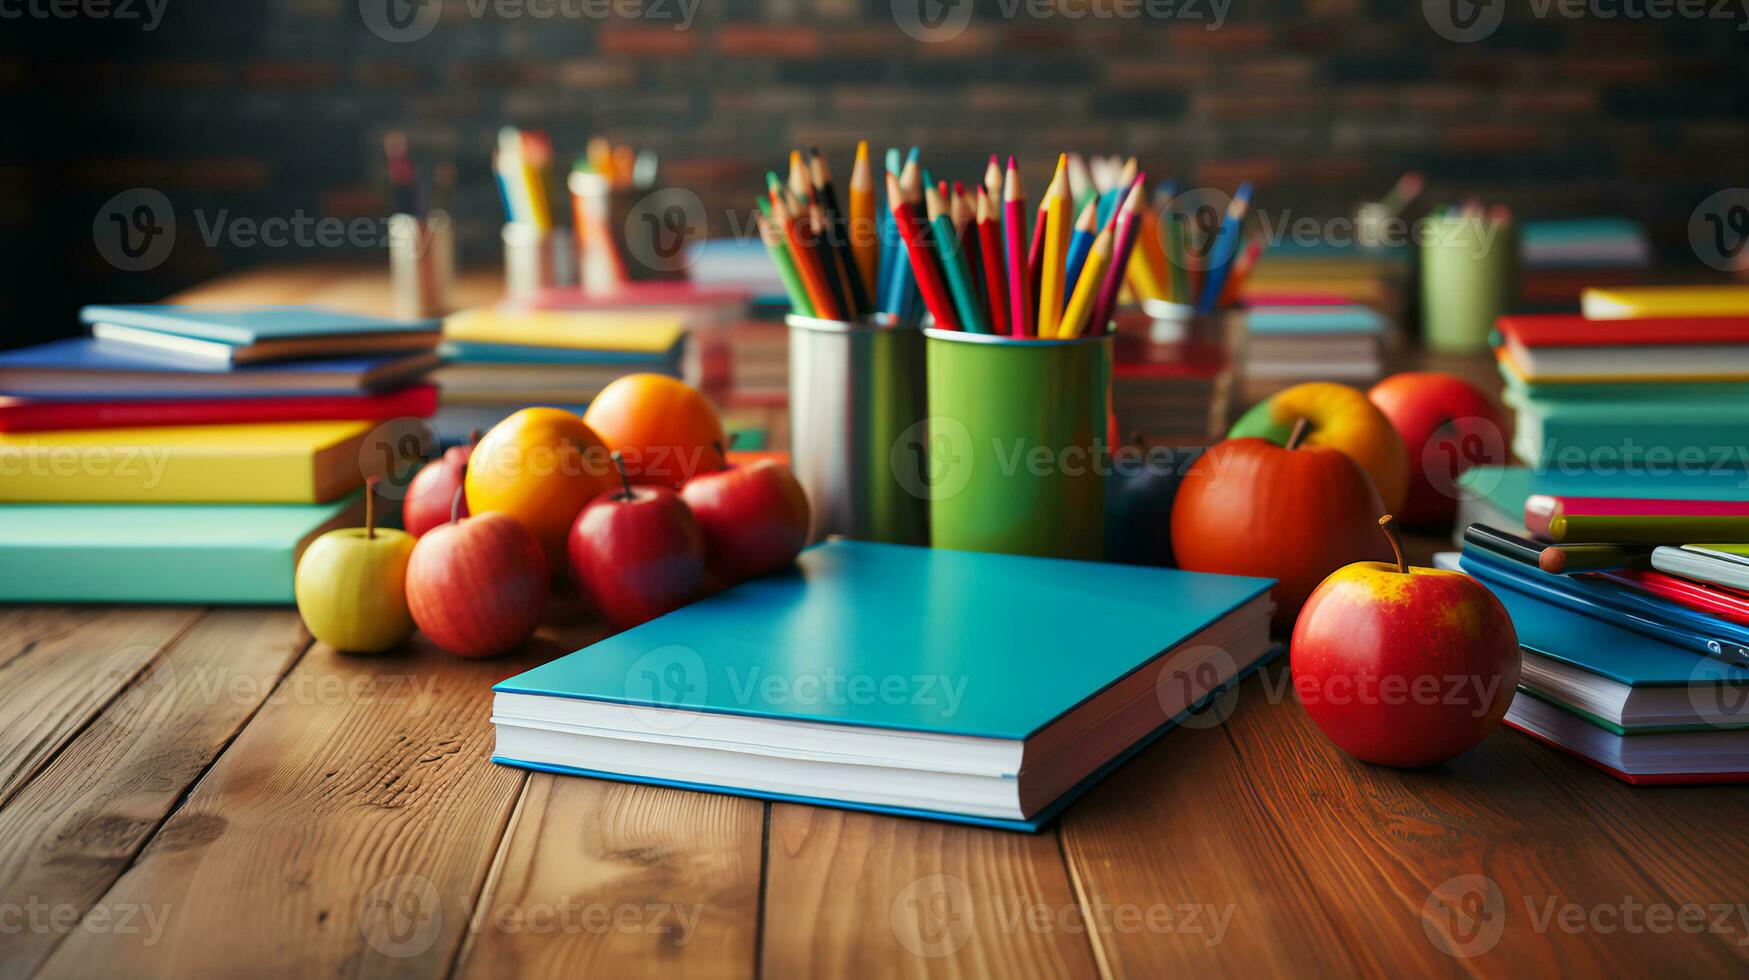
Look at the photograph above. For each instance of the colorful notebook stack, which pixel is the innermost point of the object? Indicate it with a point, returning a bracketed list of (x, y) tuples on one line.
[(1633, 661), (932, 695), (497, 361), (1593, 393), (1376, 276), (1559, 260), (188, 454), (1316, 337)]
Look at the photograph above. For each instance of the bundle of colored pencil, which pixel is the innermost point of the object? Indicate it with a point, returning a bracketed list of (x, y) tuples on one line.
[(837, 261), (1206, 272), (975, 271)]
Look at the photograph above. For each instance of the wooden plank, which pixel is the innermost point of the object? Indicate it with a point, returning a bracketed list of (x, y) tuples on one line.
[(862, 895), (71, 831), (60, 665), (611, 879), (1453, 868), (1195, 876), (346, 831)]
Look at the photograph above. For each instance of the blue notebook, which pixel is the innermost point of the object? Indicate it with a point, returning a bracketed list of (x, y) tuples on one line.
[(247, 334), (983, 688), (85, 367), (1314, 320)]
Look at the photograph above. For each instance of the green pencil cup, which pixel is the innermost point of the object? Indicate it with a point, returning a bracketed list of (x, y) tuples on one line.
[(1017, 443), (1469, 271)]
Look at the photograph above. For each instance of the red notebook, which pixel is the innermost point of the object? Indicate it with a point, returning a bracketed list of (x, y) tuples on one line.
[(1576, 331), (26, 415)]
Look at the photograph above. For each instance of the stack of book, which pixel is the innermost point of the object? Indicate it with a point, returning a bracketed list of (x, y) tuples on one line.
[(1378, 276), (1636, 657), (1169, 388), (189, 454), (1313, 337), (1590, 394), (1560, 259), (497, 361)]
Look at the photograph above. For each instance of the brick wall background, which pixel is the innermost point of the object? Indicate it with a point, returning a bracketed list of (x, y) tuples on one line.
[(257, 109)]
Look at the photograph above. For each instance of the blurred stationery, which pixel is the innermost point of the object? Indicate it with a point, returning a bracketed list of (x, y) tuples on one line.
[(896, 679), (1585, 243), (192, 553), (250, 334), (280, 462), (1636, 705), (1647, 521), (1639, 302), (1284, 345), (1176, 390), (1496, 495), (1554, 349), (1717, 564), (84, 368)]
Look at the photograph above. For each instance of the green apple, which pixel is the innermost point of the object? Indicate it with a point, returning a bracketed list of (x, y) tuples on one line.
[(351, 588)]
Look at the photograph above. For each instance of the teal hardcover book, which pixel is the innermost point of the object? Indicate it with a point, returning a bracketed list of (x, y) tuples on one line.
[(1507, 487), (174, 553), (956, 685)]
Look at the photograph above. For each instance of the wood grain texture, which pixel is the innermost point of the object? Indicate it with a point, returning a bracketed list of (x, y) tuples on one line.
[(1195, 879), (60, 665), (71, 831), (861, 895), (1454, 869), (346, 831), (613, 879)]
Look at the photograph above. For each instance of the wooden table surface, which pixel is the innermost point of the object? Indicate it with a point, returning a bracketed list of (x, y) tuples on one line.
[(206, 792)]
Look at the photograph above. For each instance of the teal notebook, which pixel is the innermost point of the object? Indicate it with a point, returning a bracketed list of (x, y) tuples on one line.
[(958, 685), (175, 553), (241, 334)]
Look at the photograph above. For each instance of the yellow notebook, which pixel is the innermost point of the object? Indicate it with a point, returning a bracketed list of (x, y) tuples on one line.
[(266, 463), (1639, 302), (602, 330)]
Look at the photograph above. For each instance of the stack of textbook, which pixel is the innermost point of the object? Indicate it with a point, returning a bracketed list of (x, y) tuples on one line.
[(1288, 340), (1659, 390), (497, 361), (185, 454)]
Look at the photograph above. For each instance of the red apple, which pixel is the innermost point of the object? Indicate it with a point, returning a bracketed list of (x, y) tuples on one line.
[(430, 494), (477, 586), (1294, 514), (1448, 427), (636, 553), (754, 518), (1404, 666)]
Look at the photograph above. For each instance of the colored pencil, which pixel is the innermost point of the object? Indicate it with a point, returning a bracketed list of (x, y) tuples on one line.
[(993, 186), (831, 260), (1019, 273), (953, 263), (806, 258), (1128, 223), (1180, 258), (1075, 316), (990, 251), (1226, 248), (964, 213), (800, 183), (1056, 233), (864, 232), (903, 194), (1080, 242), (786, 265), (835, 226), (1241, 270), (1081, 189)]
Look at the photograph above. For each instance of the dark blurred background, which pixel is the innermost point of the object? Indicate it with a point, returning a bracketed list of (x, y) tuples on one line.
[(277, 108)]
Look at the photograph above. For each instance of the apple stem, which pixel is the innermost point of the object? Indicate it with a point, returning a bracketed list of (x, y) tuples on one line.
[(370, 507), (1390, 526), (625, 481), (1299, 432), (455, 505)]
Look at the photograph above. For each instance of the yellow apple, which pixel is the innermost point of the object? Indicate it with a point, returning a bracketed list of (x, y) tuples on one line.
[(351, 588)]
